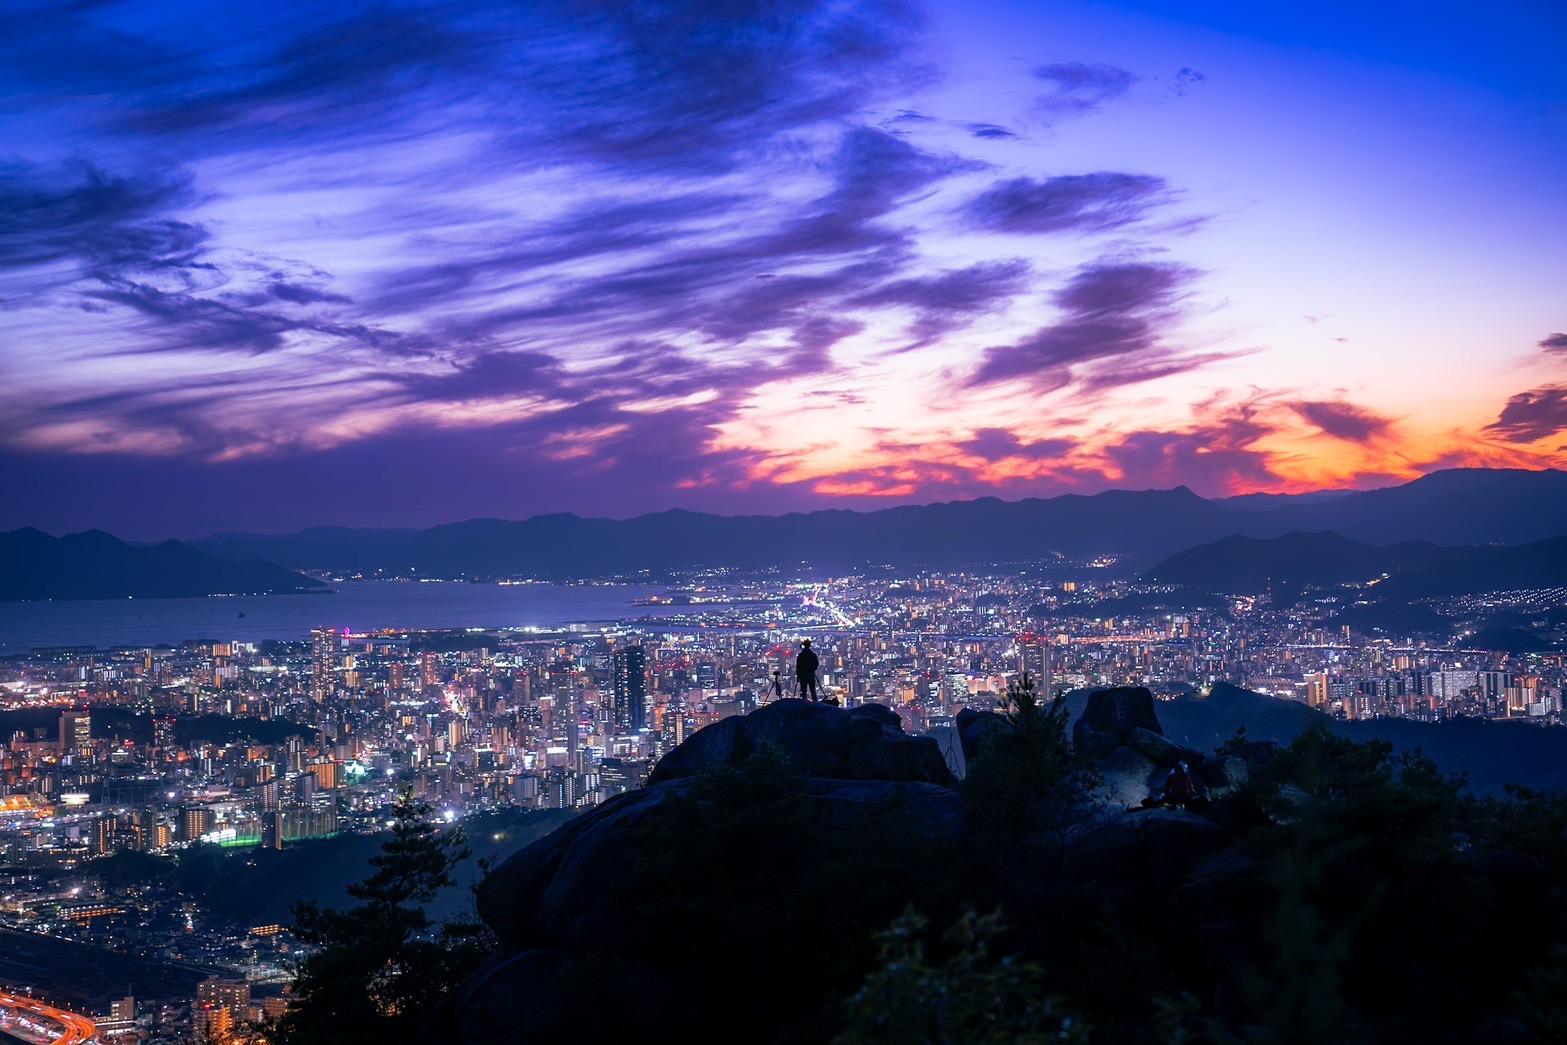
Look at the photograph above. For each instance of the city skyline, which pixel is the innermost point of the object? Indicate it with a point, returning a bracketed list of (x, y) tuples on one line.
[(402, 265)]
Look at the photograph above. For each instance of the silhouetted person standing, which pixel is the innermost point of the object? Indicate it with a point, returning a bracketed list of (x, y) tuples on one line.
[(777, 684), (805, 670)]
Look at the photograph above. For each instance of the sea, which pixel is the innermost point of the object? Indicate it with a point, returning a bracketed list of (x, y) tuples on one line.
[(358, 605)]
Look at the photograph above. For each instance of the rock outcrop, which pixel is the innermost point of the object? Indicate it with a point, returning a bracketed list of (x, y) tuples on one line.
[(754, 894), (872, 821), (975, 728), (1109, 718), (1119, 732), (570, 888), (863, 743)]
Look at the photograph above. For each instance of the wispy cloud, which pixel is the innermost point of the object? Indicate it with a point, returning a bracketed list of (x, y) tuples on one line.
[(1341, 420), (1069, 202), (1080, 87), (1113, 327), (1532, 415)]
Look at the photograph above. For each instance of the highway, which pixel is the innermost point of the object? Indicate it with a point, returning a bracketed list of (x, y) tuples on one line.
[(818, 598), (33, 1021)]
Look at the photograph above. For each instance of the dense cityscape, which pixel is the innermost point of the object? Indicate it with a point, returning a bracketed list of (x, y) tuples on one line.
[(230, 750)]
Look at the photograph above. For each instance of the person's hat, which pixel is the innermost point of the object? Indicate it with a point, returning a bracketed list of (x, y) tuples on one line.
[(807, 642)]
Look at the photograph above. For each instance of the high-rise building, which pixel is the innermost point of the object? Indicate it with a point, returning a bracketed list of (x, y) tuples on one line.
[(325, 652), (102, 836), (1317, 690), (1034, 661), (563, 708), (233, 995), (195, 821), (75, 730), (325, 771), (631, 688), (213, 1024), (272, 829)]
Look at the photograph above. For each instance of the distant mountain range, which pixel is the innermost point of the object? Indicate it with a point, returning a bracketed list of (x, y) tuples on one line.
[(1414, 569), (1397, 530), (1253, 564), (1461, 506), (95, 565)]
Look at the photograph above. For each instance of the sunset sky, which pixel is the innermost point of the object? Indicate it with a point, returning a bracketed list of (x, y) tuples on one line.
[(267, 266)]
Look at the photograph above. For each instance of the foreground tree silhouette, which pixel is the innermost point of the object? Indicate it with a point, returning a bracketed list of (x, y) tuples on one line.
[(971, 996), (1024, 779), (379, 966)]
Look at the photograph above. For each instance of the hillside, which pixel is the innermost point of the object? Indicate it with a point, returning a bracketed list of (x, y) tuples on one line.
[(96, 565), (1144, 527), (1413, 570), (1140, 524), (1147, 885), (1538, 564), (1253, 564)]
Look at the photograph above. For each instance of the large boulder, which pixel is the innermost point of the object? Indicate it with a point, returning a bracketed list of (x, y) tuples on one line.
[(1110, 716), (537, 895), (1161, 750), (1125, 777), (572, 910), (977, 728), (572, 887), (863, 743), (538, 982), (1157, 843)]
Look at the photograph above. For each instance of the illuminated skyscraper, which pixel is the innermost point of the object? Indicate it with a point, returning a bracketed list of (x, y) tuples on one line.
[(1034, 660), (561, 694), (75, 730), (325, 647), (195, 821), (631, 688)]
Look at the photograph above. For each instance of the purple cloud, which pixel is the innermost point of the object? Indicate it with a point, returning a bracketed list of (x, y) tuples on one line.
[(1554, 343), (1114, 312), (947, 300), (106, 224), (1215, 456), (995, 444), (1080, 87), (990, 131), (1532, 415), (1354, 424), (1067, 203)]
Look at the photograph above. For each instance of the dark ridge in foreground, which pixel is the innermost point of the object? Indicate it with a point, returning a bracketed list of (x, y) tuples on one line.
[(816, 875)]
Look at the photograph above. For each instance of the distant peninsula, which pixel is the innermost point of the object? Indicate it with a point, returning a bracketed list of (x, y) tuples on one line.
[(97, 565)]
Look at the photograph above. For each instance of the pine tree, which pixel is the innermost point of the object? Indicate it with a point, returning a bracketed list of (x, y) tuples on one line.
[(377, 968)]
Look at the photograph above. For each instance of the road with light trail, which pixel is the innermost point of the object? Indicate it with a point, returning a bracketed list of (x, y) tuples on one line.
[(69, 1028)]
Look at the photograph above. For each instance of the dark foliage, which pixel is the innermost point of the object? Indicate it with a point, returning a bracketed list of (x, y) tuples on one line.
[(1331, 891), (1360, 895), (1024, 782), (970, 995), (377, 968)]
